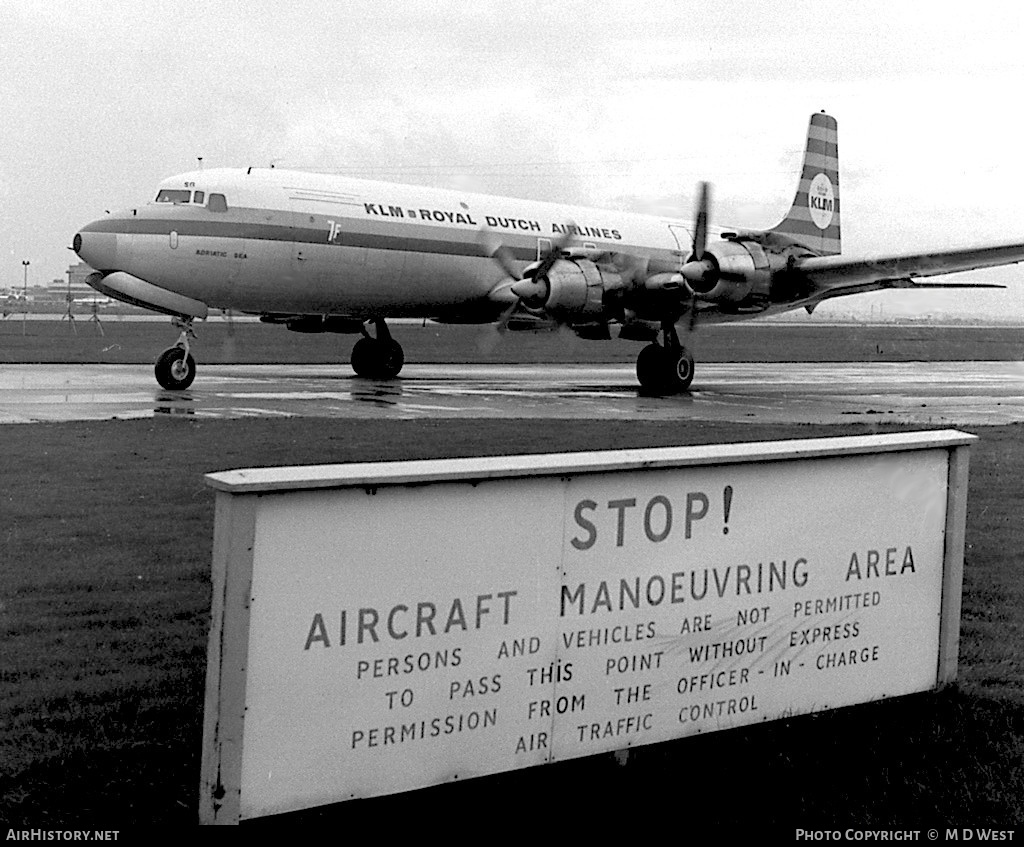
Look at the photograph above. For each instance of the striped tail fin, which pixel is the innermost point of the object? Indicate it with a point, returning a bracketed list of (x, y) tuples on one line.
[(813, 219)]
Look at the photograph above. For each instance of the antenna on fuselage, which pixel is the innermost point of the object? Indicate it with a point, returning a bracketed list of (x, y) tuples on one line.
[(200, 158)]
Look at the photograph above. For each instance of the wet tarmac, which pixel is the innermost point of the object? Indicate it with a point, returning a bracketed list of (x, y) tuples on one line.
[(947, 393)]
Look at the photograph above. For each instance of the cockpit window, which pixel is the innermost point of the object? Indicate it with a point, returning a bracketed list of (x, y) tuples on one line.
[(173, 195), (181, 196)]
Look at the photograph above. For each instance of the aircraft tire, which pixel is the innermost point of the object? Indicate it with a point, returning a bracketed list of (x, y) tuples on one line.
[(175, 369), (652, 367), (663, 371), (364, 357), (392, 359), (375, 359), (682, 370)]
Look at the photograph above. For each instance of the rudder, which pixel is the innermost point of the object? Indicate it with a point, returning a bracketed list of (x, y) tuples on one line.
[(813, 219)]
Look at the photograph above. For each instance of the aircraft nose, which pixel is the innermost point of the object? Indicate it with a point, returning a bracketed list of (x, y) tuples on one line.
[(97, 249)]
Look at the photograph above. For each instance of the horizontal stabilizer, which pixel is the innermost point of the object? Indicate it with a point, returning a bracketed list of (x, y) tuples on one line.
[(842, 274)]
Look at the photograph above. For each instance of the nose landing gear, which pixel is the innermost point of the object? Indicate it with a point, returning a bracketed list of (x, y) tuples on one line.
[(175, 368)]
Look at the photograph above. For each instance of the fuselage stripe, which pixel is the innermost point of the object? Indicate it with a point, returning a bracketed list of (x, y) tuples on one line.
[(415, 237)]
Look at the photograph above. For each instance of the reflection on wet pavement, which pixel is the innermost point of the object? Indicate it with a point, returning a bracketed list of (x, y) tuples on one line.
[(909, 392)]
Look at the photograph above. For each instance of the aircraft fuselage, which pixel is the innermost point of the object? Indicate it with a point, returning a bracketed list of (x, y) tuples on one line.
[(290, 242)]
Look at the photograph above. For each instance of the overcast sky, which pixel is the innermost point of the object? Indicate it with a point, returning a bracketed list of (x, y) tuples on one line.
[(616, 104)]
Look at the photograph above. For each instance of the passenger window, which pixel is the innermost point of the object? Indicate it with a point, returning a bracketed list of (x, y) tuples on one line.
[(173, 195), (217, 203), (199, 198)]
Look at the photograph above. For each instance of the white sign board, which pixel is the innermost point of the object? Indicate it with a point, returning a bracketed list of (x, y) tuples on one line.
[(387, 627)]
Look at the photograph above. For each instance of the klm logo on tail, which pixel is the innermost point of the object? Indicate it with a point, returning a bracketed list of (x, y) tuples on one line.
[(813, 219), (821, 200)]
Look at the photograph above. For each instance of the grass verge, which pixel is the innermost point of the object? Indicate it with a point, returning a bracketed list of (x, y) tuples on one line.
[(104, 609)]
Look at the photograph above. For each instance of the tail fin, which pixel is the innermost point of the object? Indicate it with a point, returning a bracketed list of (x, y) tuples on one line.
[(813, 219)]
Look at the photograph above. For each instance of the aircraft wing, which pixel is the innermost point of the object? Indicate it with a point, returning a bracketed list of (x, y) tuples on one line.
[(835, 276)]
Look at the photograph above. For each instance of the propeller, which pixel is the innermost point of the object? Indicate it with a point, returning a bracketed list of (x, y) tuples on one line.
[(534, 284), (699, 269), (700, 229), (494, 248), (500, 252)]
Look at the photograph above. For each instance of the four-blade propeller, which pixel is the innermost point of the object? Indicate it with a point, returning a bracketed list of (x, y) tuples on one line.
[(531, 288)]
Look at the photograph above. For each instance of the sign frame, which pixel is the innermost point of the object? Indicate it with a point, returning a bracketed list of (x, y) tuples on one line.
[(239, 492)]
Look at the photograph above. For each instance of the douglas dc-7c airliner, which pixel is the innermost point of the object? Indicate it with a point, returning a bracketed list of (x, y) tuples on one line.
[(322, 253)]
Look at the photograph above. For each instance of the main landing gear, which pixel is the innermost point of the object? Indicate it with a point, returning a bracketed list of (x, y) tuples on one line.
[(377, 358), (665, 369), (175, 368)]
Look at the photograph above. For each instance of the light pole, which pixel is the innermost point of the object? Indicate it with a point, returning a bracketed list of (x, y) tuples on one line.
[(24, 297)]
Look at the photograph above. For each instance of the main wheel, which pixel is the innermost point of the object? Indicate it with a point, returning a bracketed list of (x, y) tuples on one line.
[(681, 374), (392, 357), (664, 371), (175, 369), (376, 359), (364, 357), (652, 368)]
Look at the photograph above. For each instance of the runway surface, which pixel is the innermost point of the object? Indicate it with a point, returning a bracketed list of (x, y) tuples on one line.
[(963, 393)]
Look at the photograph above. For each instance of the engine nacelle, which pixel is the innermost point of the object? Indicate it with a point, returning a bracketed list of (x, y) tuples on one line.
[(730, 272), (570, 289)]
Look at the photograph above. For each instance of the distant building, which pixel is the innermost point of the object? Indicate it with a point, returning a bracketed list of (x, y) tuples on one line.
[(75, 285)]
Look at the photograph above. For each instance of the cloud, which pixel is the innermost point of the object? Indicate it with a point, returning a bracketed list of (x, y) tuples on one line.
[(603, 102)]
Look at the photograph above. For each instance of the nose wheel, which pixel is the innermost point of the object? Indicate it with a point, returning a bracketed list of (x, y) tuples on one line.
[(175, 368)]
